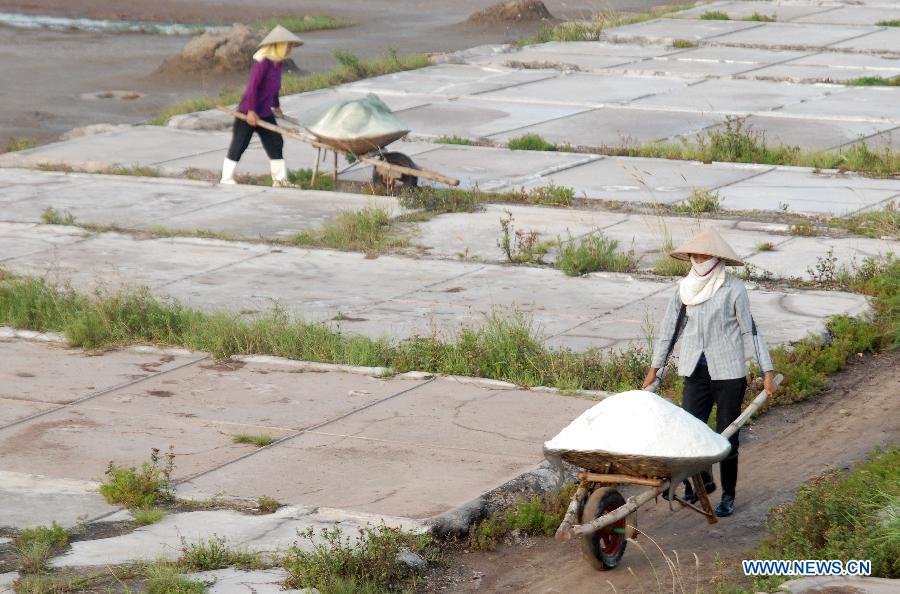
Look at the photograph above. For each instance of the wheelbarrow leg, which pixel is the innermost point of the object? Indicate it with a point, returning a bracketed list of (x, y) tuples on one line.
[(335, 169), (700, 491), (315, 173)]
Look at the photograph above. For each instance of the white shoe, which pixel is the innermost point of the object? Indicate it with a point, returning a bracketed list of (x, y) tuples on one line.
[(279, 173), (228, 168)]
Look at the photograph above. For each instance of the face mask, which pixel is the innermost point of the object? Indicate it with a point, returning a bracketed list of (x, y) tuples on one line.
[(704, 268)]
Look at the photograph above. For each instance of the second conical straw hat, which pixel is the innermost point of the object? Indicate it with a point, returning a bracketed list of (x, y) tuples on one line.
[(707, 243), (280, 35)]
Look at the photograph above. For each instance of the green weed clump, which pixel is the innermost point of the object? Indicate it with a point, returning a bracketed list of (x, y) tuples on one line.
[(843, 516), (140, 488), (715, 15), (530, 142), (267, 505), (592, 28), (351, 68), (765, 246), (761, 18), (144, 516), (888, 23), (550, 195), (132, 170), (367, 230), (15, 144), (540, 515), (215, 553), (594, 252), (259, 440), (700, 202), (684, 43), (874, 81), (368, 563), (453, 140), (521, 246), (165, 578), (33, 547), (666, 265), (301, 24), (440, 200), (51, 216), (803, 230)]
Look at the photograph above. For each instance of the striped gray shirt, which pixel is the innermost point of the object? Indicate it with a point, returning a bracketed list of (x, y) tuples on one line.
[(719, 328)]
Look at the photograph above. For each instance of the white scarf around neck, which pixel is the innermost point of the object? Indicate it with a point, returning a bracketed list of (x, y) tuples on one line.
[(702, 282)]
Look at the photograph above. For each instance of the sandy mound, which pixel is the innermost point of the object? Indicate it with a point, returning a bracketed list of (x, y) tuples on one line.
[(215, 52), (512, 11)]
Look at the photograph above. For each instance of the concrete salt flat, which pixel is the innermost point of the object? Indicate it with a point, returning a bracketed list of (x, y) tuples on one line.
[(852, 15), (472, 118), (28, 500), (648, 180), (886, 40), (386, 296), (21, 239), (784, 11), (588, 89), (797, 131), (643, 235), (879, 103), (807, 192), (800, 35), (616, 126), (667, 30), (23, 377), (738, 96), (236, 581), (447, 80)]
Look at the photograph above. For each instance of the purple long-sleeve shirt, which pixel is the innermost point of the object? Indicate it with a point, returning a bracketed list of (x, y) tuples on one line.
[(262, 88)]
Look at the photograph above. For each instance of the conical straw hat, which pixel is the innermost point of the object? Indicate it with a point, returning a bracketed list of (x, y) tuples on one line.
[(280, 35), (707, 243)]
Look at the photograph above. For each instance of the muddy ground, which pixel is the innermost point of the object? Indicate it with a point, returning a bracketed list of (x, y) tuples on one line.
[(50, 75), (782, 450)]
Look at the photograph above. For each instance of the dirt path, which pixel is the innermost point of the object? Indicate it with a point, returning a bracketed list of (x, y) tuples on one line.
[(784, 449)]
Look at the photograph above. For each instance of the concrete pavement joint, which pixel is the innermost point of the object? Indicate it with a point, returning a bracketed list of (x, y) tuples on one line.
[(109, 390), (304, 431)]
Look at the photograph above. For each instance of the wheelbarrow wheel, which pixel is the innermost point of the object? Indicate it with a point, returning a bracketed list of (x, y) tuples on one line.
[(394, 183), (603, 549)]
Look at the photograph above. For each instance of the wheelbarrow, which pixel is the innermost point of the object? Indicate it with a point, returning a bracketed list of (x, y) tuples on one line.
[(603, 518), (393, 169)]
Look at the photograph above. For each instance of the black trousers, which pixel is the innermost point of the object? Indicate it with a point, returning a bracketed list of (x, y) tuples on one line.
[(700, 393), (241, 133)]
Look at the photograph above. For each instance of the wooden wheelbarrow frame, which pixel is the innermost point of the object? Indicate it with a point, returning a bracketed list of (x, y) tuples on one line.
[(570, 527), (387, 171)]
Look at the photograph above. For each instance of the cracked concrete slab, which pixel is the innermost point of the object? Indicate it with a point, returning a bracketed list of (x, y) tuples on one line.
[(588, 89), (801, 190), (616, 126), (886, 40), (447, 80), (266, 533), (666, 30), (797, 35), (852, 15), (877, 103), (22, 239), (648, 180), (784, 11), (798, 132), (738, 96), (33, 500), (236, 581), (23, 377)]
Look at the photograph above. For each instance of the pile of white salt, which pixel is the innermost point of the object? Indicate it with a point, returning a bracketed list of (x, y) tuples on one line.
[(639, 423)]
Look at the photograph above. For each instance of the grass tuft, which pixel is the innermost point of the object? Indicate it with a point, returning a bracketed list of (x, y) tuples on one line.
[(700, 202), (267, 505), (765, 246), (895, 23), (803, 230), (591, 253), (165, 578), (51, 216), (142, 488), (667, 265), (684, 43), (549, 195), (215, 553), (15, 144), (259, 440), (874, 81), (875, 224), (368, 562), (33, 547), (520, 246), (301, 24), (715, 15), (531, 142), (367, 230), (762, 18), (538, 516), (453, 140), (844, 516), (592, 28), (144, 516)]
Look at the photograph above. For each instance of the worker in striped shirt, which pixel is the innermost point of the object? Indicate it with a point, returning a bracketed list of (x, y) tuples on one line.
[(710, 312)]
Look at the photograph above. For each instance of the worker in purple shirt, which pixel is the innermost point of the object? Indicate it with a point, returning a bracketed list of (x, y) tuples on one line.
[(260, 102)]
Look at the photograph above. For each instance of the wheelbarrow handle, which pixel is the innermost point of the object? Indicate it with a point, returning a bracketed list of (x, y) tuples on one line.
[(752, 408)]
